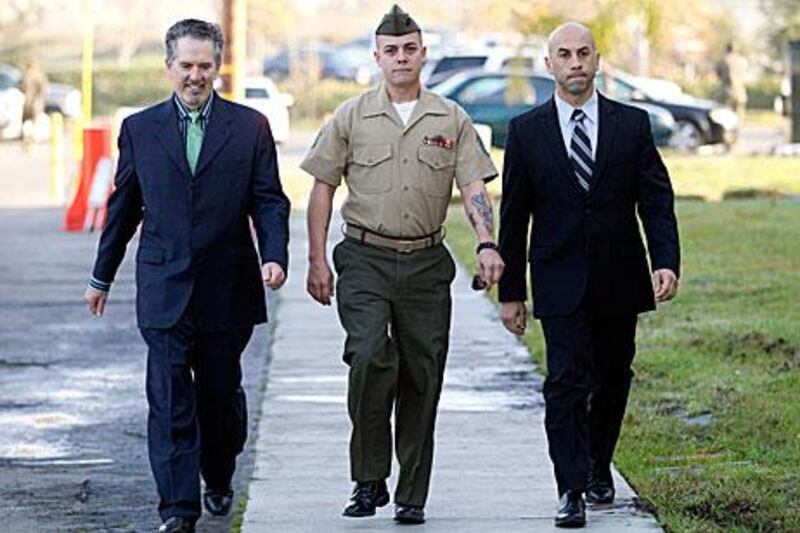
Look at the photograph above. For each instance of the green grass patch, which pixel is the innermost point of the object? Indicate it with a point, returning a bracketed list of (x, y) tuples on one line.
[(712, 434), (712, 177), (718, 177), (238, 515)]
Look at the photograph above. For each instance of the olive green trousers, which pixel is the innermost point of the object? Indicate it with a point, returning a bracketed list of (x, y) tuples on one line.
[(396, 309)]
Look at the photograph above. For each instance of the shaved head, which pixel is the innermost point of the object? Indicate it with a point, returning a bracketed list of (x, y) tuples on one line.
[(570, 31), (573, 61)]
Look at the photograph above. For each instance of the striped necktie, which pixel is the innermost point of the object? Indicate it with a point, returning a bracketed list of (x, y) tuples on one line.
[(580, 151), (194, 139)]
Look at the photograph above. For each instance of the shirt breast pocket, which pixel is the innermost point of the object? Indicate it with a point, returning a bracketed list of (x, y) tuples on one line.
[(437, 169), (370, 170)]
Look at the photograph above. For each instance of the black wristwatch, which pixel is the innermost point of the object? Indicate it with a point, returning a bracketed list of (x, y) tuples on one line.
[(486, 246)]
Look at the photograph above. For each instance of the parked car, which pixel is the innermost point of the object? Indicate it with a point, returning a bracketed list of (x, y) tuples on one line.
[(353, 62), (494, 98), (435, 72), (262, 94), (58, 97), (699, 121), (62, 98), (280, 66), (11, 102)]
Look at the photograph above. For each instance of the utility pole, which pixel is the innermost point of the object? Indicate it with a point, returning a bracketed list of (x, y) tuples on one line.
[(234, 57), (794, 73), (87, 63)]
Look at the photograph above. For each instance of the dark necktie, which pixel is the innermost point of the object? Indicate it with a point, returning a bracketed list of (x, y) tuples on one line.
[(580, 151)]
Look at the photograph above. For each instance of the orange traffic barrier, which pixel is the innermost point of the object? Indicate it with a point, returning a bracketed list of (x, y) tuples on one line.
[(85, 212)]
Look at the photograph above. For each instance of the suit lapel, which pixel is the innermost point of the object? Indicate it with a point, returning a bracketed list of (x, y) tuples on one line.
[(216, 135), (170, 136), (555, 142), (606, 132)]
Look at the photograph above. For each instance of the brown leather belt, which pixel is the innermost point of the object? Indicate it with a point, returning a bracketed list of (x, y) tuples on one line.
[(403, 245)]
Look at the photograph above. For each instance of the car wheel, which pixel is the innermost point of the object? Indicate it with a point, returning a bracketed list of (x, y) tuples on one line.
[(687, 136)]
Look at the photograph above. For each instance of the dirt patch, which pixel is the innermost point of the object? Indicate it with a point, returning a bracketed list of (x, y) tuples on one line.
[(727, 515), (744, 346), (668, 407), (644, 505), (749, 194)]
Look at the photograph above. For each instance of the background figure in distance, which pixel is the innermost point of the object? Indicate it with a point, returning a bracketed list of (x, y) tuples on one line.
[(399, 148), (34, 86), (732, 72), (581, 167), (195, 170)]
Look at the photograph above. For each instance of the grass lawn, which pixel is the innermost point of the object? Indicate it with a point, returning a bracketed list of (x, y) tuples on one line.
[(712, 434), (714, 177)]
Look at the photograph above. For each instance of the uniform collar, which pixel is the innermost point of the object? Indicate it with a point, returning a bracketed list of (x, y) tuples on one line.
[(376, 102)]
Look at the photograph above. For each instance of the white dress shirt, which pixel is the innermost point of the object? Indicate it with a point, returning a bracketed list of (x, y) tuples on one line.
[(590, 123)]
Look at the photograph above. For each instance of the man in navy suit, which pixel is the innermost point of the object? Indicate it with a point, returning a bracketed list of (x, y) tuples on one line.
[(195, 170), (582, 167)]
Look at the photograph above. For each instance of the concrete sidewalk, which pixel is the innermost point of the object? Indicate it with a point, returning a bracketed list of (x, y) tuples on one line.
[(491, 470)]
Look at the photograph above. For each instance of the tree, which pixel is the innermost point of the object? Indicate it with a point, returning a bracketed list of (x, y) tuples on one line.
[(17, 19), (785, 25)]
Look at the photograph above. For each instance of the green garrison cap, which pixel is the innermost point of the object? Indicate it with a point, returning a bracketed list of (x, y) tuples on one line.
[(396, 22)]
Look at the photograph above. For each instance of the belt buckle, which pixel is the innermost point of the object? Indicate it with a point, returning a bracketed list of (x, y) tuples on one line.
[(405, 247)]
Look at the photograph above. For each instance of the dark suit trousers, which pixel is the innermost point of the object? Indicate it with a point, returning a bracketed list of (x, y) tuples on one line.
[(588, 379), (197, 422)]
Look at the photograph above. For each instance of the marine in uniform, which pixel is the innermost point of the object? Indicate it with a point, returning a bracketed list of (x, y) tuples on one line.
[(399, 149)]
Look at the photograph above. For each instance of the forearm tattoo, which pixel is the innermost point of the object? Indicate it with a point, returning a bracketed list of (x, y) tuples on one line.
[(484, 212)]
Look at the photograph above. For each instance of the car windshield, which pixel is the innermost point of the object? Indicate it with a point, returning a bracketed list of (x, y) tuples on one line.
[(505, 90), (626, 87), (255, 92), (352, 56), (9, 77), (450, 84), (484, 91), (447, 64)]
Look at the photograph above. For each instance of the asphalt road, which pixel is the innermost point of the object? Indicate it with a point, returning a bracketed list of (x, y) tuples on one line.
[(73, 452)]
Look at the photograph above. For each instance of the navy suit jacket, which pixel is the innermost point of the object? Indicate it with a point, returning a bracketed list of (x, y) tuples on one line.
[(196, 239), (585, 247)]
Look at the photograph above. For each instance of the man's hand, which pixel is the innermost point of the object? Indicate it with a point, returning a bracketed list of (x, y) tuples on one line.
[(490, 267), (96, 300), (665, 284), (514, 316), (273, 275), (319, 282)]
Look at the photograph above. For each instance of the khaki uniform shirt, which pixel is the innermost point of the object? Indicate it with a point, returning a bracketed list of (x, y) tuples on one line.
[(399, 178)]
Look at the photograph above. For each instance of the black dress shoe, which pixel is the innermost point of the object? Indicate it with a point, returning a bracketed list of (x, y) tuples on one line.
[(176, 524), (600, 492), (218, 502), (366, 497), (409, 514), (571, 510), (600, 486)]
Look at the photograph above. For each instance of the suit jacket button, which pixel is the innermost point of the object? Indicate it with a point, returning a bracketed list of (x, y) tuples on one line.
[(587, 211)]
